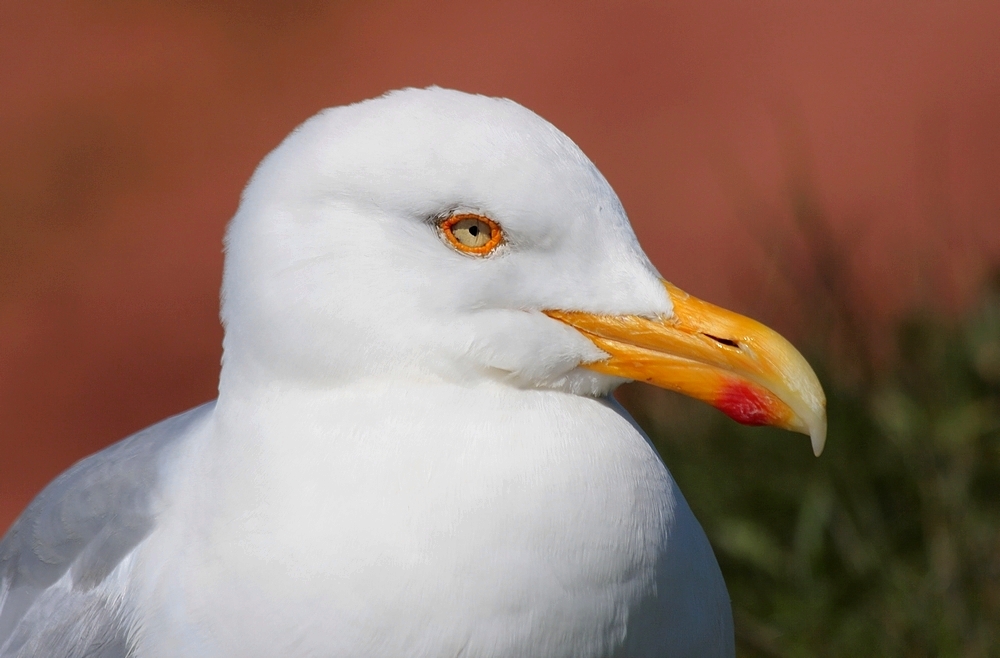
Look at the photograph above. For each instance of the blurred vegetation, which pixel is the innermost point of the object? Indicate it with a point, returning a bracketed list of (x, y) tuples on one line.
[(889, 543)]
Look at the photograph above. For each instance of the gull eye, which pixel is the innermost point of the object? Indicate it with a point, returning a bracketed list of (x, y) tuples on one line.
[(472, 234)]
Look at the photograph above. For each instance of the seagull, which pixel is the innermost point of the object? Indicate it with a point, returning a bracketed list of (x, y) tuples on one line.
[(428, 299)]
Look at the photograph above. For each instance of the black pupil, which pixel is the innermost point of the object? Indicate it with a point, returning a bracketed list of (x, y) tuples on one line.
[(473, 230)]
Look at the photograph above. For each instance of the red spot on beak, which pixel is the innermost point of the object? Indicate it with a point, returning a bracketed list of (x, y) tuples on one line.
[(746, 403)]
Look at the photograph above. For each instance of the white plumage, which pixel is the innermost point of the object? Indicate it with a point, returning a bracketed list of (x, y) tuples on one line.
[(406, 457)]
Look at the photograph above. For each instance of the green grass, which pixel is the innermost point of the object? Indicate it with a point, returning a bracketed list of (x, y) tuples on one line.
[(888, 544)]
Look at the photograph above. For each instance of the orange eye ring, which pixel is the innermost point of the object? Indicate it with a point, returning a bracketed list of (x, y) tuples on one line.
[(472, 234)]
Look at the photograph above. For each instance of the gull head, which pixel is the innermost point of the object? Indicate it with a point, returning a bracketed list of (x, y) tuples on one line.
[(432, 235)]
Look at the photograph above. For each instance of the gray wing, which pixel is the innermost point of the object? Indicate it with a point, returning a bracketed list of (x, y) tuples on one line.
[(71, 537)]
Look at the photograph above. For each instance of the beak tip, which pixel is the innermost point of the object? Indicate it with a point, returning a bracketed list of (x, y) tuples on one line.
[(817, 435)]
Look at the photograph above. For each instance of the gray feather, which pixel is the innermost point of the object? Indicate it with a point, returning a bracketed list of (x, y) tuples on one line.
[(84, 523)]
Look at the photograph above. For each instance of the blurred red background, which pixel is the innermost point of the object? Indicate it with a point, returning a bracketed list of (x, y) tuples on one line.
[(127, 130)]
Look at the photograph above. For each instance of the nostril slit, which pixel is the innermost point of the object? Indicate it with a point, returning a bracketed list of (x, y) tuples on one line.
[(724, 341)]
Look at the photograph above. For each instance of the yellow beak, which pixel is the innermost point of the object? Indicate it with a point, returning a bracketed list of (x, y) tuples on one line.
[(730, 361)]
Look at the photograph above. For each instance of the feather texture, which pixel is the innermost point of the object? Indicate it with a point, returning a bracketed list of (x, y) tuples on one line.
[(65, 545)]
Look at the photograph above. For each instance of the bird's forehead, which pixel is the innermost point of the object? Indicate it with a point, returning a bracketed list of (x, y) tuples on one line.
[(429, 148), (435, 123)]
